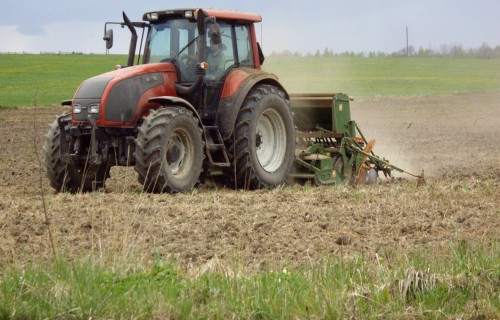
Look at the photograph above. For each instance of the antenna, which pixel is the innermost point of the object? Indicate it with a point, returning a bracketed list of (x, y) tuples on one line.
[(261, 40)]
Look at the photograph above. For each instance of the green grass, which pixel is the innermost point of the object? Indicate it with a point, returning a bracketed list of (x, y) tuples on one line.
[(462, 283), (371, 77), (49, 79)]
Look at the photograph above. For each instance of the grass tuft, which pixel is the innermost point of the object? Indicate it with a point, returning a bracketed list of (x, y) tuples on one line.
[(355, 286)]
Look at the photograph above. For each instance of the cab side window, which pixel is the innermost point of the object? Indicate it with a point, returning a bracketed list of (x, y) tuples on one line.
[(220, 53), (227, 45), (244, 45)]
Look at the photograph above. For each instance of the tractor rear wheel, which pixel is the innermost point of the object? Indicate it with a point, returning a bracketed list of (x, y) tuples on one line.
[(262, 149), (70, 175), (169, 151)]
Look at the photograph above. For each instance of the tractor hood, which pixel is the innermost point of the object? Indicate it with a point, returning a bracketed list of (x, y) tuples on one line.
[(118, 96)]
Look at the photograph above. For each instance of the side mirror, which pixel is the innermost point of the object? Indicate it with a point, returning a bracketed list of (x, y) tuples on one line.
[(108, 37)]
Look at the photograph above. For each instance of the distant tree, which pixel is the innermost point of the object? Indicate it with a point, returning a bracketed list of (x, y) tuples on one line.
[(444, 50), (327, 52), (424, 52), (496, 52), (485, 52), (471, 53), (400, 53), (411, 51), (457, 51)]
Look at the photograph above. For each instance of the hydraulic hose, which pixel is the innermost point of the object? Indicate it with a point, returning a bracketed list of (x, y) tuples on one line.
[(200, 77)]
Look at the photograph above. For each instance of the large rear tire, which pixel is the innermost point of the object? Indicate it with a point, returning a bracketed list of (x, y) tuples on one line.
[(169, 151), (70, 176), (262, 148)]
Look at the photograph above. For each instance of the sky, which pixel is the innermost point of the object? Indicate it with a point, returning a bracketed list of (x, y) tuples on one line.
[(36, 26)]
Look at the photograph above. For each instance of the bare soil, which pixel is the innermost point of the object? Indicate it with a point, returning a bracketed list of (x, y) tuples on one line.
[(452, 138)]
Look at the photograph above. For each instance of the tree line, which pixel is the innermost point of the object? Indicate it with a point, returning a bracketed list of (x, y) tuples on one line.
[(455, 51)]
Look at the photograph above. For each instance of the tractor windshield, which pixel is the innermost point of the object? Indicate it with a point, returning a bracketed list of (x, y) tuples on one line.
[(174, 41), (167, 40)]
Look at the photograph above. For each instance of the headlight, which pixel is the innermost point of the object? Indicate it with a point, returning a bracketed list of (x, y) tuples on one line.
[(77, 108), (93, 108), (153, 16)]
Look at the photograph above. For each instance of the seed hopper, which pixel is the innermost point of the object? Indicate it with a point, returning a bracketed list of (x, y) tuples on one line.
[(331, 148)]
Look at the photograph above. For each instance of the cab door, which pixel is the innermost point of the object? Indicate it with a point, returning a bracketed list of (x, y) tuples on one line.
[(236, 51), (219, 62)]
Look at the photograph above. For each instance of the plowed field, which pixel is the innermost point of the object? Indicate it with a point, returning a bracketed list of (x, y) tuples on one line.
[(453, 138)]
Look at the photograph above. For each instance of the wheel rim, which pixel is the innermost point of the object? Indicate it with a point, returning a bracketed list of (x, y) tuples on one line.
[(179, 153), (270, 140)]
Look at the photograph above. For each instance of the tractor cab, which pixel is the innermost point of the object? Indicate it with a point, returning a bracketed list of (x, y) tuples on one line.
[(213, 40)]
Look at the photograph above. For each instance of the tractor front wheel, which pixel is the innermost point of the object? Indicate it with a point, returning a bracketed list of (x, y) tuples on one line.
[(67, 174), (169, 151)]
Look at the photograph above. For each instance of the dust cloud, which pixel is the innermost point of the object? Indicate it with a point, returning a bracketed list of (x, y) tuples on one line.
[(443, 135)]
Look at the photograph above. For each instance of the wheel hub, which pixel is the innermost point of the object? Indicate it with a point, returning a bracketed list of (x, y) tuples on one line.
[(270, 141), (176, 152), (173, 154), (258, 140)]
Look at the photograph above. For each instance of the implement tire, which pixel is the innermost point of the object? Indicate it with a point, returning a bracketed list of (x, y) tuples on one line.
[(70, 176), (262, 149), (169, 151)]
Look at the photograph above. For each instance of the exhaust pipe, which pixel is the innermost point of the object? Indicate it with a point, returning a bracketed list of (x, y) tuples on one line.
[(133, 40)]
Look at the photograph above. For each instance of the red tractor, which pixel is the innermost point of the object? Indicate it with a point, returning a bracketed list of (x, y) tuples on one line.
[(175, 117)]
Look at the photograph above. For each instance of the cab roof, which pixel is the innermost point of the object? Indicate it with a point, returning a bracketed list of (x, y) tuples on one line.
[(233, 15), (218, 14)]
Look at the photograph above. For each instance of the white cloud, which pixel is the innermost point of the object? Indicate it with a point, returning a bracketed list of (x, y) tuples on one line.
[(71, 36), (11, 40)]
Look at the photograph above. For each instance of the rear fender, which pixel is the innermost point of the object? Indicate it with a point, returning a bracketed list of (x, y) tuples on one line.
[(238, 84)]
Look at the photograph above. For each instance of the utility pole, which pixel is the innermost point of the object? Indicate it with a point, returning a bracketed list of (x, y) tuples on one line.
[(407, 47)]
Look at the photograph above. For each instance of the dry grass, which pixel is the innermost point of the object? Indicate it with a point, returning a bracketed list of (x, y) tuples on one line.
[(271, 228), (260, 230)]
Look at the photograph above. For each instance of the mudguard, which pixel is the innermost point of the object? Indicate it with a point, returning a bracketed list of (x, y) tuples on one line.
[(238, 84), (175, 101)]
